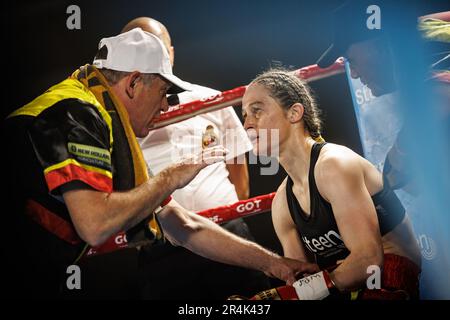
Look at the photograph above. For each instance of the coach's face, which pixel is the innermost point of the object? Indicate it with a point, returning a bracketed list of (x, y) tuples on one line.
[(145, 101)]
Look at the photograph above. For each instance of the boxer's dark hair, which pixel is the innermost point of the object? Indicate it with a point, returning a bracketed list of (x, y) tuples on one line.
[(288, 89)]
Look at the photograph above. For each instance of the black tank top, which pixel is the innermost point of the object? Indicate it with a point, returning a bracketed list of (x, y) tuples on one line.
[(319, 232)]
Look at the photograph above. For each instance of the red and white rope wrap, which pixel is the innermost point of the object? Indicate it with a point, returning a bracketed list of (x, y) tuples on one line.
[(240, 209), (234, 96), (194, 108), (219, 215)]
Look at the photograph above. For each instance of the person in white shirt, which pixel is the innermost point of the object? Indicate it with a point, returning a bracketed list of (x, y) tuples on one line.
[(217, 185)]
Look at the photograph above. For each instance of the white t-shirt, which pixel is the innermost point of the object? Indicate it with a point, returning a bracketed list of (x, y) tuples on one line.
[(165, 146)]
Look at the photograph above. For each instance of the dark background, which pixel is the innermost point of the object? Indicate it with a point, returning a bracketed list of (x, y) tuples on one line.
[(220, 44)]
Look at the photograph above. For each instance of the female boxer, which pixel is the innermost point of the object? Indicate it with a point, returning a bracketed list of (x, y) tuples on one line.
[(334, 209)]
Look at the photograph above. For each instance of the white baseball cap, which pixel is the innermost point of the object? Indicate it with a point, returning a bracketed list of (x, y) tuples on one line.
[(138, 50)]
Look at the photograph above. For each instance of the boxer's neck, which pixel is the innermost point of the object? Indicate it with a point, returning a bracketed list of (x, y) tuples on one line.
[(295, 156)]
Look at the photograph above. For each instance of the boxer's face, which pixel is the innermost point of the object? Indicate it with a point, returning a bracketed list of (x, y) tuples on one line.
[(265, 120)]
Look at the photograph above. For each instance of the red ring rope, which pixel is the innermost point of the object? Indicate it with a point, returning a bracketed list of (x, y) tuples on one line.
[(222, 214), (234, 96)]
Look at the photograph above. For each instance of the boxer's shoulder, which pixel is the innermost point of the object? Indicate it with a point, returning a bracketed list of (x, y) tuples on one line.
[(336, 164), (335, 158)]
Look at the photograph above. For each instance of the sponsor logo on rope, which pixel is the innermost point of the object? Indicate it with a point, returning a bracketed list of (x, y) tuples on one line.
[(248, 206)]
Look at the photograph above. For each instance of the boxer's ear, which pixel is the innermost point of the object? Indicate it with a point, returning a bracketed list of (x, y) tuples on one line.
[(295, 113)]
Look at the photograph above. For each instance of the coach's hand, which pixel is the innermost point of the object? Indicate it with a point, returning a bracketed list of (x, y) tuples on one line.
[(184, 171), (288, 269)]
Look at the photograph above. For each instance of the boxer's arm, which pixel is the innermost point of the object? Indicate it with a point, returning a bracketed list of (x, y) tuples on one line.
[(340, 181), (285, 228), (238, 176), (205, 238)]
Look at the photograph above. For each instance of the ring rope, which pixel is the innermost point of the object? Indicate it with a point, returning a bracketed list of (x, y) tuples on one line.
[(219, 215), (234, 96)]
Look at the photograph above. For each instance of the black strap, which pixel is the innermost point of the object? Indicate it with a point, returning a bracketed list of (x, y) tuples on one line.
[(295, 209), (315, 152)]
